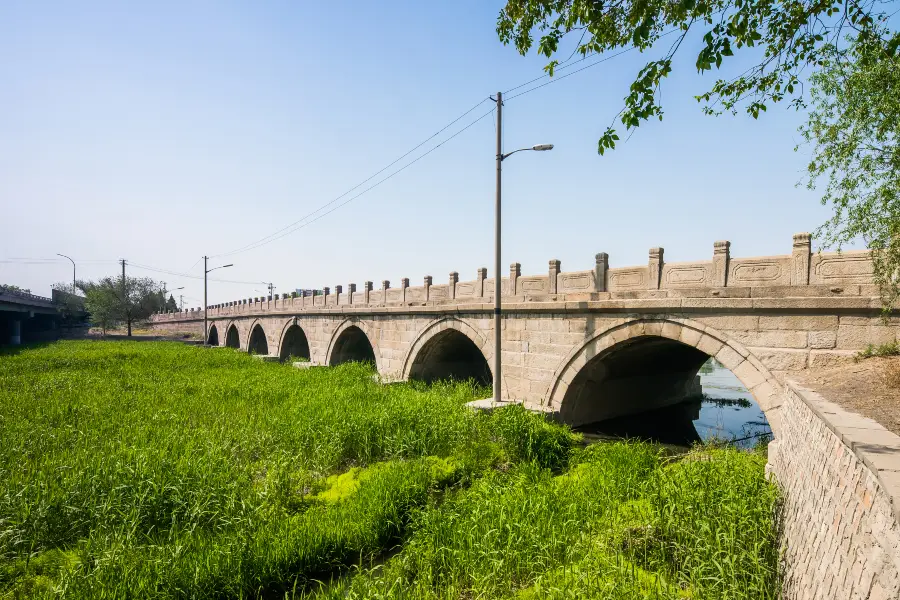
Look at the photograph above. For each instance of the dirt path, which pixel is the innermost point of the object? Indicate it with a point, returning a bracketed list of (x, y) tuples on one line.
[(870, 387)]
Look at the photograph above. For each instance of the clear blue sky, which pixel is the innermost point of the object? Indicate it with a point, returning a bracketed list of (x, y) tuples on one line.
[(164, 131)]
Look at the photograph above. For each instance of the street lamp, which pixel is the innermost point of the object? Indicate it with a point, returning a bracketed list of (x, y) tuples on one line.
[(500, 158), (205, 305), (73, 271)]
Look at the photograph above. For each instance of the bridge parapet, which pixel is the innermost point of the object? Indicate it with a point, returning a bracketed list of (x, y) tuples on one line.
[(799, 274)]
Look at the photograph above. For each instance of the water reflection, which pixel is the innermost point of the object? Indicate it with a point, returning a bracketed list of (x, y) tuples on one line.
[(727, 412)]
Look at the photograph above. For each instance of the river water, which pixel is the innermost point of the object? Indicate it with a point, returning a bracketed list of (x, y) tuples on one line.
[(727, 413)]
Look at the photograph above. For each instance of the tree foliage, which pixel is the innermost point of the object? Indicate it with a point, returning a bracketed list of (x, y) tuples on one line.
[(853, 129), (113, 301), (787, 37)]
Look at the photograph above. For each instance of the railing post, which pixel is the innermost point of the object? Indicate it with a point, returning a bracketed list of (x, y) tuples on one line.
[(337, 294), (721, 260), (555, 266), (351, 288), (800, 259), (601, 267), (427, 287), (451, 287), (404, 283), (325, 291), (479, 282), (367, 289), (515, 271), (656, 267)]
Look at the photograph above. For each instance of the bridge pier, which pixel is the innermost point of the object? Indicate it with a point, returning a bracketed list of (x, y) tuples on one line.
[(15, 336)]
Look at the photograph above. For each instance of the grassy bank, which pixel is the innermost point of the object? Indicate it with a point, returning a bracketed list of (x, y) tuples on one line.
[(135, 470)]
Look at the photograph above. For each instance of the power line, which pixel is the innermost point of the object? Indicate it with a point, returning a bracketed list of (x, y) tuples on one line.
[(189, 276), (348, 201), (260, 242)]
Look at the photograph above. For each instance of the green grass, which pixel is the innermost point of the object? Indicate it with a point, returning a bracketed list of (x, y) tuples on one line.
[(886, 349), (158, 470)]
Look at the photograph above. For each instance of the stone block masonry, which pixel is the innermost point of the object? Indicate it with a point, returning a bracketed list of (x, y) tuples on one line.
[(840, 476)]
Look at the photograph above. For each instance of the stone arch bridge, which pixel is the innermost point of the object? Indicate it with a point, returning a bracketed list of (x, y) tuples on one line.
[(585, 345)]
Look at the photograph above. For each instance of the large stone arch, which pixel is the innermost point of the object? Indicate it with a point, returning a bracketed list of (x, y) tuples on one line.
[(344, 326), (257, 343), (290, 344), (232, 337), (706, 340), (440, 329), (212, 335)]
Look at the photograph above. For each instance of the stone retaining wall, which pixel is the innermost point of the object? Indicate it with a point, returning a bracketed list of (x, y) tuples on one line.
[(840, 473)]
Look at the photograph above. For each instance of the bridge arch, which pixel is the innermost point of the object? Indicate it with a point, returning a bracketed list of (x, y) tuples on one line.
[(294, 341), (232, 337), (212, 337), (449, 348), (351, 341), (257, 343), (617, 361)]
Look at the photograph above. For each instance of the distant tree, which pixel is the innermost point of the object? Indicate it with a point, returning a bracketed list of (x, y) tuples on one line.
[(112, 301), (102, 299), (69, 302), (13, 288), (171, 305)]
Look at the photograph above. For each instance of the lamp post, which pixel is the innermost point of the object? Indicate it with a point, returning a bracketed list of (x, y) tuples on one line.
[(205, 304), (73, 271), (497, 229)]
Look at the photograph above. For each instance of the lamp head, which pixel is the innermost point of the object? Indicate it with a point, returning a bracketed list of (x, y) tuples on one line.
[(542, 147)]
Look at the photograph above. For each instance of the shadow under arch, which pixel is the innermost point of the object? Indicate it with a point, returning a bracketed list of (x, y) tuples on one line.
[(232, 337), (258, 344), (294, 343), (448, 349), (213, 337), (645, 364), (352, 345)]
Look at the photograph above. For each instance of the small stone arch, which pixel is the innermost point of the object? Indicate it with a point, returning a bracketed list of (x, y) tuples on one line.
[(334, 355), (257, 342), (698, 341), (232, 337), (294, 341), (449, 348), (212, 337)]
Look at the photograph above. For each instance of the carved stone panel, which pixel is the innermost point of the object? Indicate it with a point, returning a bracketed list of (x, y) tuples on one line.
[(579, 282), (761, 271), (689, 275), (533, 285), (375, 297), (438, 292), (394, 295), (415, 294), (846, 266), (465, 289), (627, 279)]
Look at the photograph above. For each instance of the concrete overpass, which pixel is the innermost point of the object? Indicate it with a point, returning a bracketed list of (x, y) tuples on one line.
[(26, 317), (586, 345)]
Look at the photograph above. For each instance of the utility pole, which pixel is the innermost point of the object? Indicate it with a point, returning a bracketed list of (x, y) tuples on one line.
[(205, 310), (206, 271), (125, 299), (271, 289), (497, 229), (497, 267), (180, 301)]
